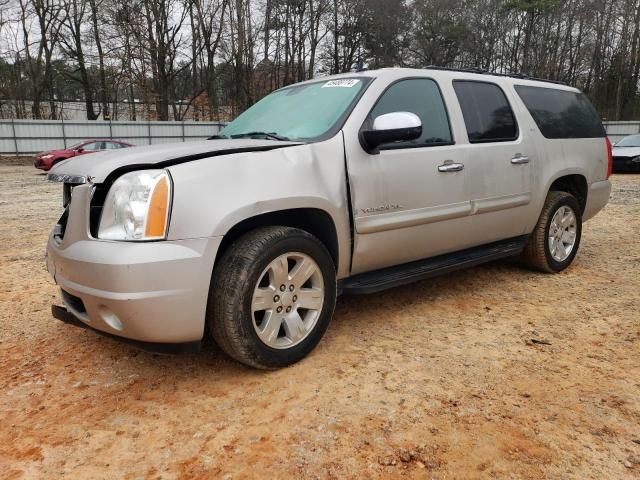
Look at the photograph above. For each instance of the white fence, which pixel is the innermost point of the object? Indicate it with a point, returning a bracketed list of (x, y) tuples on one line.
[(21, 137), (617, 130)]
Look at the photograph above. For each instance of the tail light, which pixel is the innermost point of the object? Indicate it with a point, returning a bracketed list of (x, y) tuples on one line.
[(609, 157)]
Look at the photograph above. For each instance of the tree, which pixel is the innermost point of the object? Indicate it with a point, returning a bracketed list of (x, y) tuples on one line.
[(73, 47)]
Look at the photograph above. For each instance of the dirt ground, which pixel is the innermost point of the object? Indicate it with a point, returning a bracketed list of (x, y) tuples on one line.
[(442, 379)]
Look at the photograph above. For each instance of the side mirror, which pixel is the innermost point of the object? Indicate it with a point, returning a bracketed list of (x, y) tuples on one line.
[(80, 150), (391, 127)]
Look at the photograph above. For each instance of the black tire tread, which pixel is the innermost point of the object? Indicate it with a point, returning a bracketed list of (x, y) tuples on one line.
[(534, 254), (230, 282)]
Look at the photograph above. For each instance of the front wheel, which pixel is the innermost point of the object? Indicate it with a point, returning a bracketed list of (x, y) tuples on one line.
[(555, 240), (272, 297)]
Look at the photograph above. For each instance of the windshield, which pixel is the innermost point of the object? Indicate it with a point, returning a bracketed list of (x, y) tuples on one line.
[(300, 112), (630, 141), (76, 146)]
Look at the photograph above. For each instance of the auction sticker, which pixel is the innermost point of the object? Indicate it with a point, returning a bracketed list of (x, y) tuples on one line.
[(346, 83)]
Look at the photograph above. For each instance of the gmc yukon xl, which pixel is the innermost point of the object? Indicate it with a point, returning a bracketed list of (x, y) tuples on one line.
[(348, 184)]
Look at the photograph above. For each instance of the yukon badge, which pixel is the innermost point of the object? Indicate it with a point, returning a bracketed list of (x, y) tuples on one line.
[(381, 208)]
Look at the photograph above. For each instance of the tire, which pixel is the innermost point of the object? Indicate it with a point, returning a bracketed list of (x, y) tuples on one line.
[(249, 276), (538, 252)]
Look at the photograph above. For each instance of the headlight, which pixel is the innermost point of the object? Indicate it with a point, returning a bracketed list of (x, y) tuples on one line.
[(137, 207), (46, 157)]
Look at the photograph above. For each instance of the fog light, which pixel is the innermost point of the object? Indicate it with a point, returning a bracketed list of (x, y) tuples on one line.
[(110, 318)]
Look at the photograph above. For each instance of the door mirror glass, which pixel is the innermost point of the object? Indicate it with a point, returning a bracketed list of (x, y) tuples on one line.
[(392, 127)]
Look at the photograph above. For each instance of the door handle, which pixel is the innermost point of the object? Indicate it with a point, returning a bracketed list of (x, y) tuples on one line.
[(519, 159), (450, 167)]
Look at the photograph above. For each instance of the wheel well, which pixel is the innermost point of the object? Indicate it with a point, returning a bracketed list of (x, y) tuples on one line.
[(317, 222), (576, 185)]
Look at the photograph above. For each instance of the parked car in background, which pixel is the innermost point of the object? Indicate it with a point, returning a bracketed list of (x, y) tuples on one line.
[(352, 183), (46, 160), (626, 154)]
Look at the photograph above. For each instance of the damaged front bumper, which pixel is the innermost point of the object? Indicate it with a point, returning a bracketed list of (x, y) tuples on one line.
[(151, 293), (61, 313)]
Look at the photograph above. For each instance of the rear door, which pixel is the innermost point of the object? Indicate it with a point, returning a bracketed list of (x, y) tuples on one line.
[(501, 159)]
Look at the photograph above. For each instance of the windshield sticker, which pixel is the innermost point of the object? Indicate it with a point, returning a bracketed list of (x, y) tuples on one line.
[(346, 83)]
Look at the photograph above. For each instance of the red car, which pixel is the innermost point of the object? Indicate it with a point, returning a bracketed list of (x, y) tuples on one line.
[(46, 160)]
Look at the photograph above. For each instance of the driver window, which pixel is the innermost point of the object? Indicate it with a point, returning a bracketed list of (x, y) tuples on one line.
[(92, 146), (422, 97)]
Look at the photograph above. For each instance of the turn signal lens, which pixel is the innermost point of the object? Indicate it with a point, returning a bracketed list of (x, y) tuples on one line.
[(158, 209)]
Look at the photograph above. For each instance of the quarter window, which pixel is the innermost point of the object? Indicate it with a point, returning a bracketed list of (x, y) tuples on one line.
[(422, 97), (486, 111), (561, 113)]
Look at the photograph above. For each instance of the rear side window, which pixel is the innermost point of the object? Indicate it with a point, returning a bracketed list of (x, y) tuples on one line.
[(93, 146), (487, 113), (422, 97), (561, 113)]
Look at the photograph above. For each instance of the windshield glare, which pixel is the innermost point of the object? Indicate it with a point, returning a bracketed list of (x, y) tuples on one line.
[(302, 112), (630, 141)]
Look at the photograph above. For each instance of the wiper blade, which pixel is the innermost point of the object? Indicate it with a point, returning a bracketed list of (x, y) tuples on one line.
[(271, 135)]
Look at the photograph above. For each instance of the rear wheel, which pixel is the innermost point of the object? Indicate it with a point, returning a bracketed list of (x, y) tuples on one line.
[(555, 240), (272, 297)]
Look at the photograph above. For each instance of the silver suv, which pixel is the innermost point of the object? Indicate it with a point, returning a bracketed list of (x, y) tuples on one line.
[(348, 184)]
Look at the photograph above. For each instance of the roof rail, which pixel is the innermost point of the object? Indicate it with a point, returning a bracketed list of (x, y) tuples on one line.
[(522, 76)]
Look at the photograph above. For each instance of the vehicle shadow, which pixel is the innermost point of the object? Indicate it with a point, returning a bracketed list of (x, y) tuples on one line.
[(353, 313)]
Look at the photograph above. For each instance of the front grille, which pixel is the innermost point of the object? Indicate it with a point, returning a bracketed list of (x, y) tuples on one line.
[(95, 210), (61, 226), (73, 302), (66, 193)]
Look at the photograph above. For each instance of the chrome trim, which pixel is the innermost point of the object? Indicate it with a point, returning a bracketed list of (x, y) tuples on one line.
[(519, 159), (450, 167), (396, 121), (66, 178), (410, 218), (494, 204)]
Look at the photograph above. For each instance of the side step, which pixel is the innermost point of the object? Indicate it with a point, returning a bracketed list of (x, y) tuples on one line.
[(376, 281)]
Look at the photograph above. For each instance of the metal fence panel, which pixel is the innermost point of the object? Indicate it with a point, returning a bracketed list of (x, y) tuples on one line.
[(618, 130), (30, 136), (21, 137), (165, 130)]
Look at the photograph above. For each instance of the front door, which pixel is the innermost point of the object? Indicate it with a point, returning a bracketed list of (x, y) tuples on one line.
[(410, 200)]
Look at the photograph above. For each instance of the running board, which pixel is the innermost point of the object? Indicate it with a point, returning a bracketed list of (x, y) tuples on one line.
[(376, 281)]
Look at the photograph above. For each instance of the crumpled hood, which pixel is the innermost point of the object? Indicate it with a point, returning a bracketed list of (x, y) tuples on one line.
[(626, 151), (97, 167)]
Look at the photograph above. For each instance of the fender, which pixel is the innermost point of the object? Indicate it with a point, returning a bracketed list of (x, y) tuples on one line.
[(212, 195)]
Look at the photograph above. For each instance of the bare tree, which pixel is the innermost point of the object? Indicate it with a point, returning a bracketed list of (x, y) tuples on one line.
[(159, 33), (214, 58), (210, 16), (73, 46), (39, 48)]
